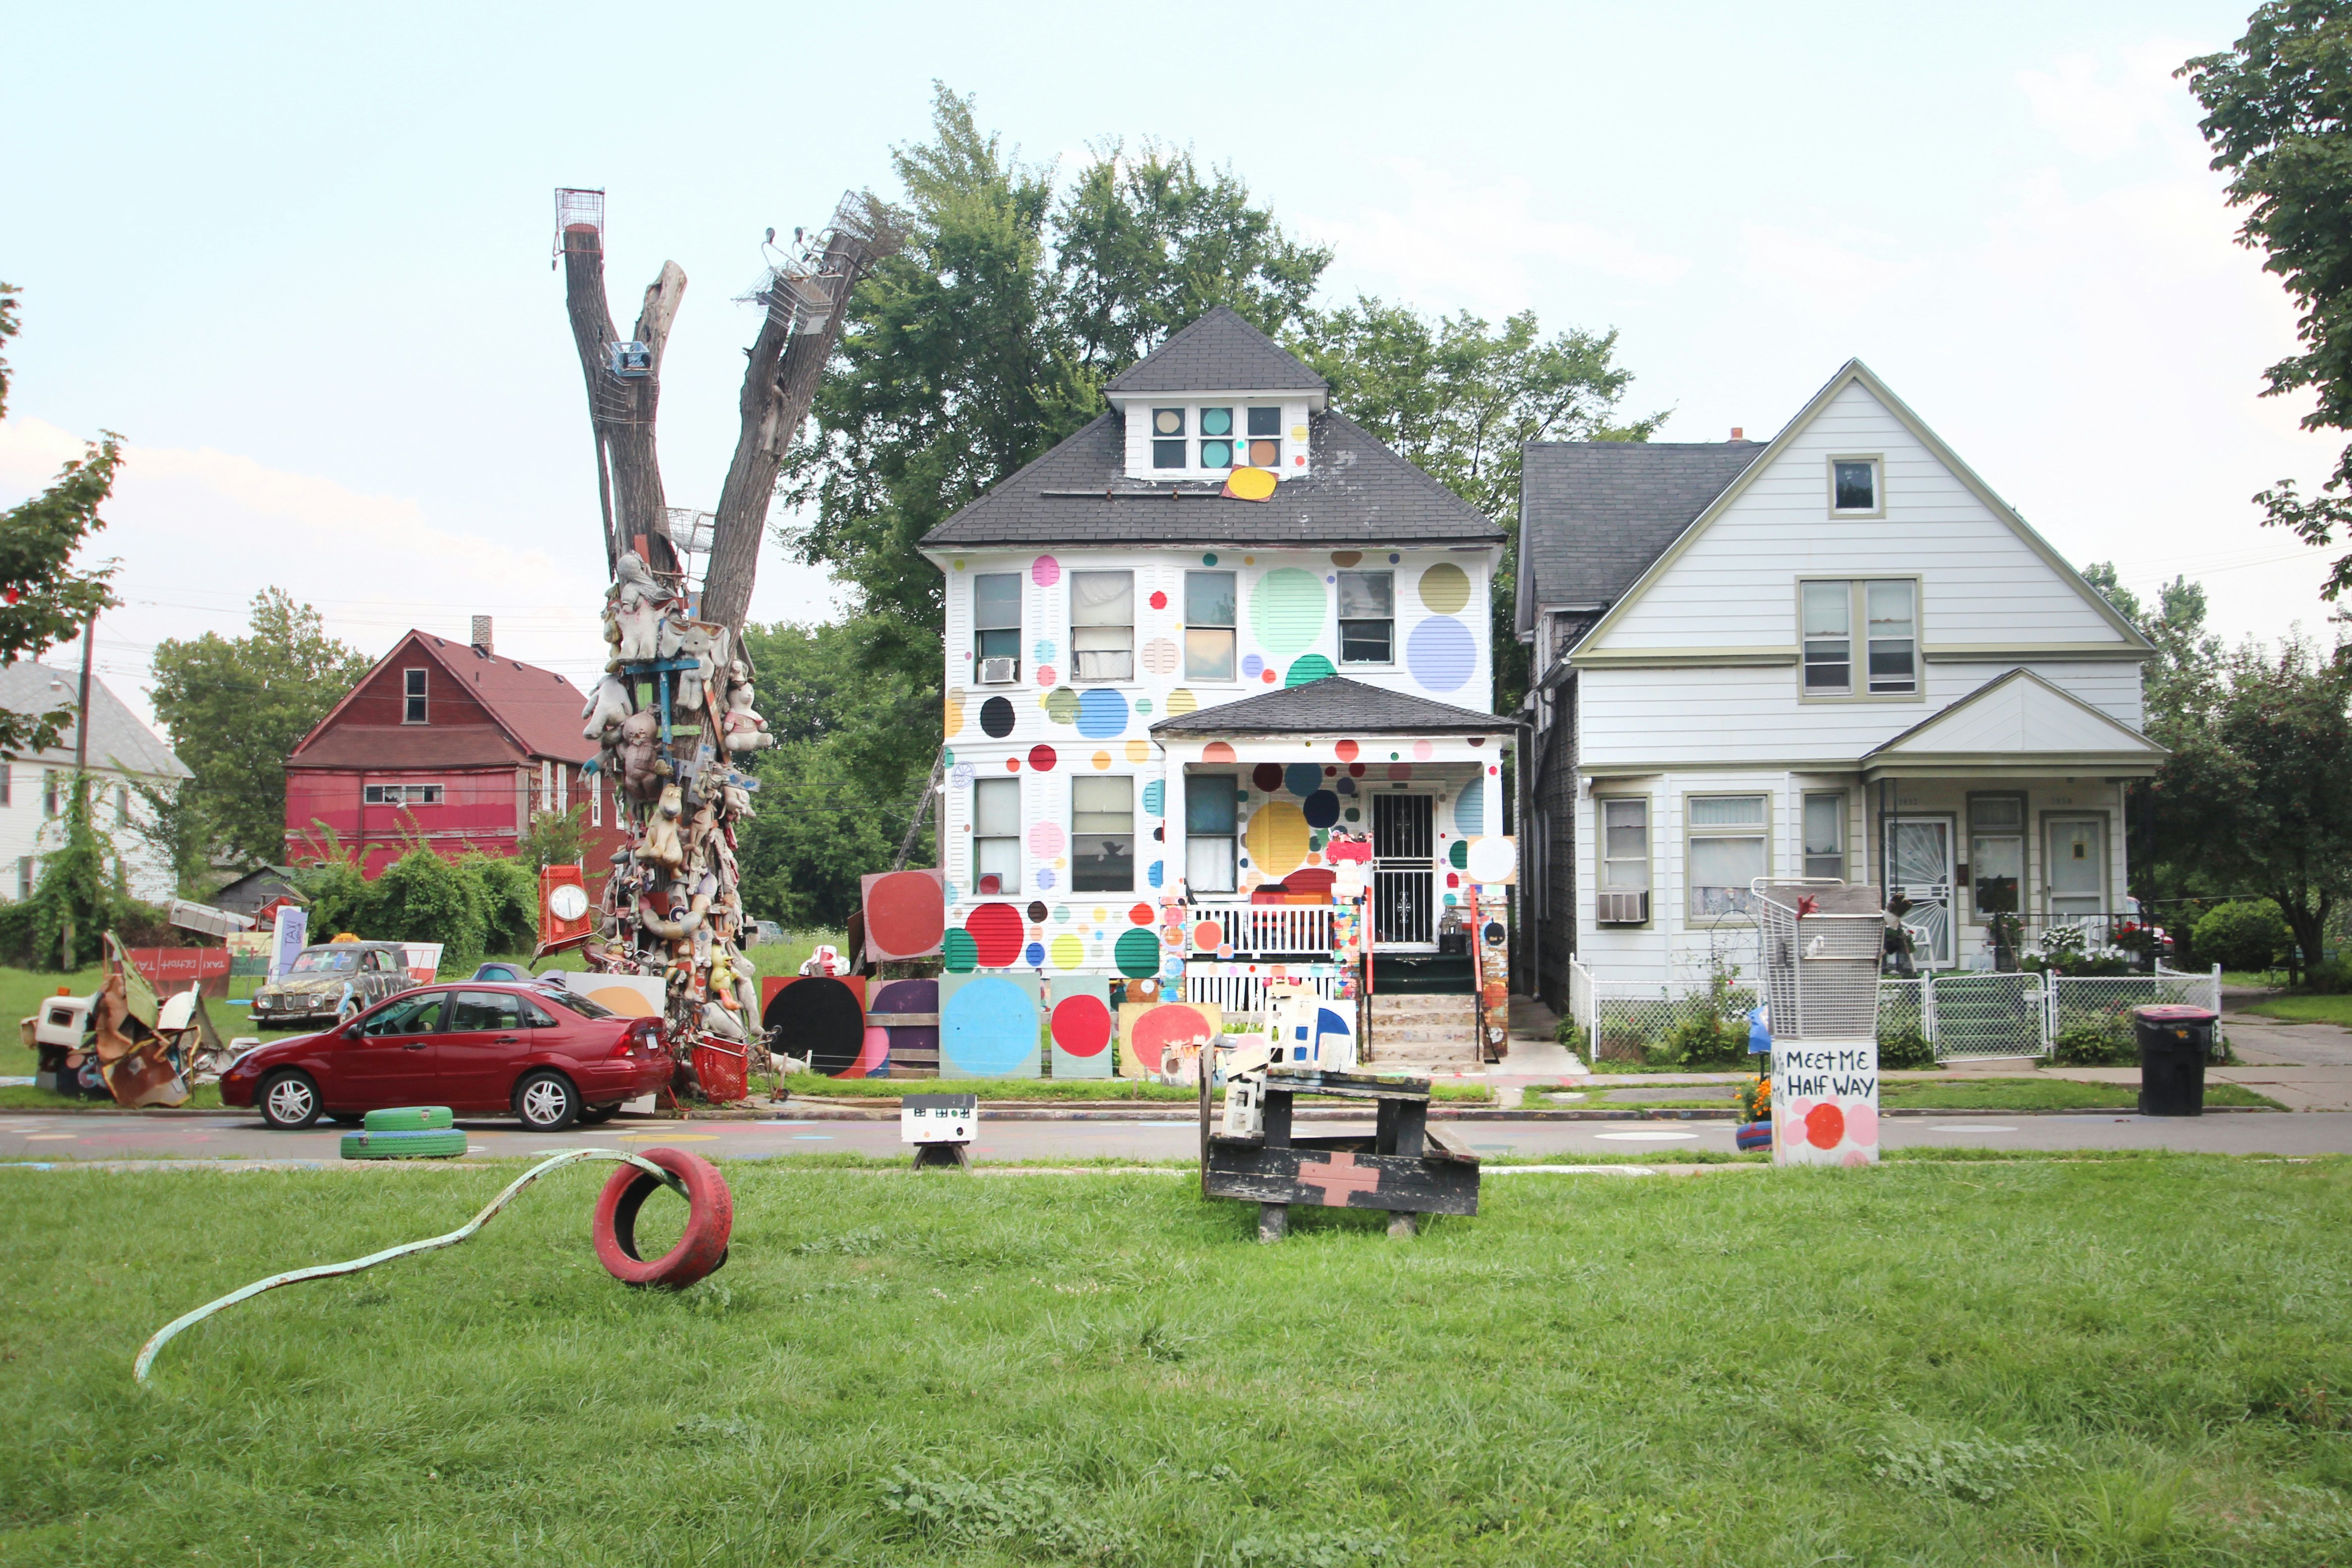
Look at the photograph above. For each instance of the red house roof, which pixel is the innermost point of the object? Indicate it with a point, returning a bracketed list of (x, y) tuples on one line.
[(481, 710)]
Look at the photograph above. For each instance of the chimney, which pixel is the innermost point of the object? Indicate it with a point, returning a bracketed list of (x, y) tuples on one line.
[(482, 634), (1737, 435)]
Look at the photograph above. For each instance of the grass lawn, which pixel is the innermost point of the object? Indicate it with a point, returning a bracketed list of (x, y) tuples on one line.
[(1954, 1095), (2011, 1363), (2307, 1009)]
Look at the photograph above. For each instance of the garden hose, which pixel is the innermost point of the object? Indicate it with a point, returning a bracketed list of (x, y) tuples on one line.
[(700, 1250)]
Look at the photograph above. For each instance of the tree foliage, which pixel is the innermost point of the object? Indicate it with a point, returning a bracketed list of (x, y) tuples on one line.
[(236, 707), (2278, 115), (45, 598), (473, 904)]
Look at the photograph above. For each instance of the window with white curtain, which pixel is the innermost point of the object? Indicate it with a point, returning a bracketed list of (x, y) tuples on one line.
[(1724, 851), (1209, 626), (1825, 829), (996, 836), (1625, 845), (1212, 820), (1102, 625)]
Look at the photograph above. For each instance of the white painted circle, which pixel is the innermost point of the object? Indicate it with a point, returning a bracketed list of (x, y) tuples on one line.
[(1646, 1137), (1492, 860), (567, 902), (1967, 1127)]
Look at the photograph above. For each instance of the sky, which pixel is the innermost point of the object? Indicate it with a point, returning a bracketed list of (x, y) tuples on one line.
[(299, 257)]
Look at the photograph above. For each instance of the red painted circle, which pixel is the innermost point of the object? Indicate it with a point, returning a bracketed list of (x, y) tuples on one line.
[(1170, 1024), (1142, 914), (1160, 602), (1081, 1025), (905, 915), (1207, 935), (995, 932), (1012, 764), (1825, 1127), (1345, 751), (1041, 757), (710, 1221)]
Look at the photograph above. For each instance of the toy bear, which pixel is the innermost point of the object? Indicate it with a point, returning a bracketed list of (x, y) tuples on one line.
[(635, 610), (608, 706), (663, 845), (746, 730), (642, 768)]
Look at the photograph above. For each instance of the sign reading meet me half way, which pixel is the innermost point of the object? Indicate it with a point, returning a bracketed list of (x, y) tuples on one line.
[(1825, 1102)]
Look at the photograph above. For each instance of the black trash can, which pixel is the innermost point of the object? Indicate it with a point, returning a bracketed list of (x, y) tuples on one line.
[(2175, 1043)]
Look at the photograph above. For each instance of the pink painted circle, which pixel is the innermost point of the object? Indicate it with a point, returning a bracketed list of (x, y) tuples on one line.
[(1045, 840), (1045, 677), (1422, 750), (1862, 1125), (1346, 751), (1854, 1157), (1044, 571)]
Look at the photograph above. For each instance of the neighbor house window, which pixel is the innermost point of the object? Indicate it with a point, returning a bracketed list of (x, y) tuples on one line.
[(996, 836), (1211, 822), (1102, 625), (1208, 603), (412, 686), (1102, 834), (1367, 618), (1265, 438), (1996, 853), (1853, 486), (24, 876), (595, 784), (1216, 438), (1626, 846), (1888, 611), (123, 805), (8, 785), (402, 794), (996, 626), (1725, 852), (53, 785), (1825, 829), (1168, 438)]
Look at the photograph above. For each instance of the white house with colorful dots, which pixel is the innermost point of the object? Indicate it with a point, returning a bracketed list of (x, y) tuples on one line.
[(1214, 663)]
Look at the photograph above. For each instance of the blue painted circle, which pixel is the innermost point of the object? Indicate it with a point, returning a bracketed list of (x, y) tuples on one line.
[(1102, 714), (1302, 779), (1154, 793), (1033, 955), (1322, 809), (1154, 874), (1346, 786), (1441, 655), (1252, 666), (988, 1028), (1043, 877)]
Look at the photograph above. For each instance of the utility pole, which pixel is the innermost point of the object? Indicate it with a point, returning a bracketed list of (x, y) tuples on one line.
[(78, 800)]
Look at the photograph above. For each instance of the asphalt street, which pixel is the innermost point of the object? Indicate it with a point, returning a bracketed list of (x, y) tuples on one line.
[(231, 1135)]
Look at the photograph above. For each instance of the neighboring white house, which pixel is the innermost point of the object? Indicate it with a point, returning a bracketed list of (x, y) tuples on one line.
[(34, 789), (1156, 691), (1837, 654)]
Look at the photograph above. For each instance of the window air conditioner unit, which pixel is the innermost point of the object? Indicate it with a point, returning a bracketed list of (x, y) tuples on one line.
[(999, 671), (1623, 908)]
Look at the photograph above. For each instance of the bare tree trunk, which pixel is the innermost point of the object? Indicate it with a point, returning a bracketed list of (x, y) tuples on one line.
[(621, 408), (787, 360)]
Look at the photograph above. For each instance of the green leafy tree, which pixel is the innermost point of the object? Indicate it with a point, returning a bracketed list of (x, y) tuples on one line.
[(236, 707), (1462, 401), (81, 896), (2278, 115), (45, 598)]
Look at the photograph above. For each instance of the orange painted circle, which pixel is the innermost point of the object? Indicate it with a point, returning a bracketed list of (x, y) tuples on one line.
[(1825, 1127), (1207, 935), (1345, 751), (1142, 914), (905, 915)]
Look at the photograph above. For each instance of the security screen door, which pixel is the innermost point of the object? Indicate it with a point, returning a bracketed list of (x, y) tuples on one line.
[(1919, 867), (1404, 845), (2078, 867)]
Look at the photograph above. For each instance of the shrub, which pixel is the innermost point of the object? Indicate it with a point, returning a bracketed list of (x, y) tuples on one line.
[(424, 898), (2331, 979), (1570, 1034), (2244, 934), (1703, 1037), (2108, 1043), (509, 893), (1903, 1046)]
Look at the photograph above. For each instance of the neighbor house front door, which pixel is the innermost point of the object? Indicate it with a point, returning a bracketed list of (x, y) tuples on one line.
[(1404, 850), (1919, 869), (2077, 864)]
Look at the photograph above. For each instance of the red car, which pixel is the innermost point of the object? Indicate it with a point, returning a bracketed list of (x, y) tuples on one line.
[(546, 1057)]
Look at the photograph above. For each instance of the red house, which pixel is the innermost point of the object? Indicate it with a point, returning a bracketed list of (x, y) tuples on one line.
[(447, 743)]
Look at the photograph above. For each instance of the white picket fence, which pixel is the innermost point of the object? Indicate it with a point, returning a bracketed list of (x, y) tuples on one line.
[(1244, 930), (1239, 989)]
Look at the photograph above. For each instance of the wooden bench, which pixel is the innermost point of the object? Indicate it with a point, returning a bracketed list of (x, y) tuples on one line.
[(1406, 1167)]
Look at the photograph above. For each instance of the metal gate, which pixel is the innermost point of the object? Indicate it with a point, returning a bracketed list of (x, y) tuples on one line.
[(1404, 844), (1988, 1015)]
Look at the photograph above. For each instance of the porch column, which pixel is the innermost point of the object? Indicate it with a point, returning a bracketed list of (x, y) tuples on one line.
[(1172, 757)]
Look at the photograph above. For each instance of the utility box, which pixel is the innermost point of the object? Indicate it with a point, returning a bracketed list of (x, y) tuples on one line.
[(941, 1126)]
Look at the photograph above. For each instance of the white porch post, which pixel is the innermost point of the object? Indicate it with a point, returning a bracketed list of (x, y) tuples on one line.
[(1172, 757)]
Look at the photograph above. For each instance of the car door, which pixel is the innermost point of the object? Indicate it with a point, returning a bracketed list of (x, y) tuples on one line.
[(392, 1056), (483, 1052)]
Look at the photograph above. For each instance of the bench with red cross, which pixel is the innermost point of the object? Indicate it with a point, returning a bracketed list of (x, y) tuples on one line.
[(1405, 1166)]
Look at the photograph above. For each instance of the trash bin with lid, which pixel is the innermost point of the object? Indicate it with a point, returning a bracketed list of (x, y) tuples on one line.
[(2175, 1043)]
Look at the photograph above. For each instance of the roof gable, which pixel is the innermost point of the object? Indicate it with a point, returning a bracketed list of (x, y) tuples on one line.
[(1593, 515), (535, 711), (1220, 352), (118, 741), (1334, 706), (1786, 466), (2018, 716)]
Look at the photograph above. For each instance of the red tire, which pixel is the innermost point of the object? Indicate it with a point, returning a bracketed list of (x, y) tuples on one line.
[(710, 1221)]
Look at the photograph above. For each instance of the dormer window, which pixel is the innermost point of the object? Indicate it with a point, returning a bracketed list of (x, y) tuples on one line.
[(1265, 438), (1168, 438), (1216, 438), (1853, 487)]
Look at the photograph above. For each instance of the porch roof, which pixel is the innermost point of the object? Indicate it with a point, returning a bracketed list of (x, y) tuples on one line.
[(1335, 706), (2017, 725)]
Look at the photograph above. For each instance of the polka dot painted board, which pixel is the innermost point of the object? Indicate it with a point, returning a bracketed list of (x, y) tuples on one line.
[(1164, 1039), (989, 1026), (1079, 1017), (905, 913), (824, 1019), (1825, 1102)]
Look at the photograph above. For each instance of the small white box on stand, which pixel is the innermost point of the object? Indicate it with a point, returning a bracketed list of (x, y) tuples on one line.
[(941, 1126)]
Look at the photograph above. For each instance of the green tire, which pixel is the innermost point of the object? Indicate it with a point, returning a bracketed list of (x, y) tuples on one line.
[(435, 1144), (410, 1119)]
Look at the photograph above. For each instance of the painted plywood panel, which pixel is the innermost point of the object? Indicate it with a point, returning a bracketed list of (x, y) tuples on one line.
[(1164, 1039), (905, 913), (822, 1019), (1082, 1025), (912, 1049), (988, 1026)]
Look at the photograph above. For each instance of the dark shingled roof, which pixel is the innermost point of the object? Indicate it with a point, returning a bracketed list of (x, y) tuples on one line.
[(1594, 513), (1356, 492), (1220, 352), (1335, 706)]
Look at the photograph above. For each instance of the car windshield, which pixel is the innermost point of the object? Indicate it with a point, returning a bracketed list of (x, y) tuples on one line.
[(579, 1005), (326, 961)]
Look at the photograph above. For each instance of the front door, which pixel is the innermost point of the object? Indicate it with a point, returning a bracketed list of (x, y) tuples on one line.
[(1404, 866), (1920, 870), (2077, 868), (392, 1057)]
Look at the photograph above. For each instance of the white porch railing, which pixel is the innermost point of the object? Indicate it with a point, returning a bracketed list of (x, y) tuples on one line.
[(1237, 929), (1238, 990)]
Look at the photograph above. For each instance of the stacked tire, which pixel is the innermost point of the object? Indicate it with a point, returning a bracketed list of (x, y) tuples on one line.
[(407, 1133)]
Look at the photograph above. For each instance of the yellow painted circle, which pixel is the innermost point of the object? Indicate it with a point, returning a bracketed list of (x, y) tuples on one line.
[(1101, 759), (1138, 751), (1180, 702), (1277, 838), (1445, 588), (1068, 952), (1250, 484)]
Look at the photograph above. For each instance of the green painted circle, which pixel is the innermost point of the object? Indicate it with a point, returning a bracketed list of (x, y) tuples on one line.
[(1445, 588), (958, 954), (1458, 857), (1137, 953), (1352, 814), (1286, 611), (1313, 668), (1216, 421), (1062, 706)]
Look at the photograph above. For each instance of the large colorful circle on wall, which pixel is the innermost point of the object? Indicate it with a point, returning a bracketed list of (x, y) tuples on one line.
[(996, 718), (995, 933), (987, 1029), (1267, 777), (1156, 1030), (1180, 702), (1068, 952), (904, 913), (1470, 809), (1159, 655), (822, 1019), (1277, 838), (1061, 705), (1217, 752), (1042, 757), (1044, 571), (1082, 1025), (1313, 668), (1440, 654), (1153, 794), (1321, 809), (1045, 842), (1302, 779), (952, 722), (1286, 611), (1445, 588), (1102, 714), (1137, 953)]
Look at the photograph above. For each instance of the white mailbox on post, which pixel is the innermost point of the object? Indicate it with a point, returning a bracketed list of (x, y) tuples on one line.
[(939, 1126)]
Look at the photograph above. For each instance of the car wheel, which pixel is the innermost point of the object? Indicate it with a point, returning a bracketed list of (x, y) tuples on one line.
[(546, 1102), (288, 1101), (597, 1115)]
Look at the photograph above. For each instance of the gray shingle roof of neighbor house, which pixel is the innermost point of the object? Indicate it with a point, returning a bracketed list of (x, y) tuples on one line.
[(117, 739), (1356, 492), (1594, 513), (1220, 352), (1335, 706)]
